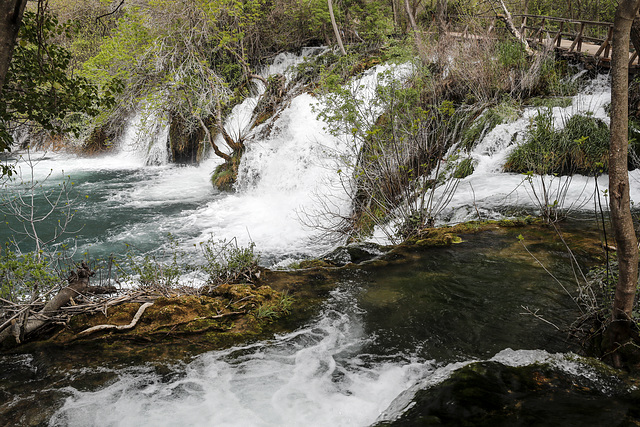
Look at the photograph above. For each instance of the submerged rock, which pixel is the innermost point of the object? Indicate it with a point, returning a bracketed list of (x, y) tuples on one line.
[(493, 394)]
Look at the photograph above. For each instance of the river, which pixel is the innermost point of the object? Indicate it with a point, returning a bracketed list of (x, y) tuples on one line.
[(384, 334)]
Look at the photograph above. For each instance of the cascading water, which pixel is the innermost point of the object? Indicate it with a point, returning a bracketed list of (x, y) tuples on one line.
[(145, 140), (348, 366), (314, 377), (489, 190)]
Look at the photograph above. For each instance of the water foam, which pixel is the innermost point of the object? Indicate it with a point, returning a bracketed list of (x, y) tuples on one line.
[(489, 190), (315, 376)]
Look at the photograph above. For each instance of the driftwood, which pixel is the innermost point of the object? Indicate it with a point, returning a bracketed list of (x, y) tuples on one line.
[(131, 325), (78, 282)]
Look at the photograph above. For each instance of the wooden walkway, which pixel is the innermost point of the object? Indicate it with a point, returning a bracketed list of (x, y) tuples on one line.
[(586, 41)]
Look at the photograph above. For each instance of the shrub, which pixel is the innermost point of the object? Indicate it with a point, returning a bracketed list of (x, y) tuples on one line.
[(24, 276), (580, 147), (227, 263)]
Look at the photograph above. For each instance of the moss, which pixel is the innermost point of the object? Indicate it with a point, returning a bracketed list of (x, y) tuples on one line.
[(225, 175), (314, 263)]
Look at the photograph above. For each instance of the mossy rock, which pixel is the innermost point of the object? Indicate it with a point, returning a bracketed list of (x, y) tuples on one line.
[(493, 394), (226, 174), (226, 315)]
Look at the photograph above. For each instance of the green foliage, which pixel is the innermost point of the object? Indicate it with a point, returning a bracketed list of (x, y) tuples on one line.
[(592, 10), (228, 263), (118, 55), (511, 54), (161, 270), (580, 147), (39, 87), (224, 263), (24, 276), (464, 169), (400, 143), (556, 79), (272, 311)]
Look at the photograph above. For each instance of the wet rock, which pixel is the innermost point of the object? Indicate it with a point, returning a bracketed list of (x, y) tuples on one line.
[(355, 253), (493, 394)]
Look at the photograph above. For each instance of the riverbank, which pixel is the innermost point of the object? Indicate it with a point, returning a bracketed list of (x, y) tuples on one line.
[(392, 323)]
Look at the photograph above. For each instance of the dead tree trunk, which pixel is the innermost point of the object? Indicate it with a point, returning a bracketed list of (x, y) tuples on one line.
[(78, 283), (506, 17), (619, 330), (335, 27)]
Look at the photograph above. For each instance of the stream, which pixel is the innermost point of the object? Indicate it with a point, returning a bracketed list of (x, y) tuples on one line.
[(393, 339)]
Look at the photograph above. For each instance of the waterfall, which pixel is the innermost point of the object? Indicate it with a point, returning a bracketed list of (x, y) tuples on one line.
[(489, 190), (340, 369), (145, 141), (291, 185)]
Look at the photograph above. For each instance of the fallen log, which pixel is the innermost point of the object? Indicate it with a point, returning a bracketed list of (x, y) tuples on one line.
[(508, 21), (78, 282)]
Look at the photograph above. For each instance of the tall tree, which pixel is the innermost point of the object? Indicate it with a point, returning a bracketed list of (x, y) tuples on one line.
[(627, 244), (11, 12)]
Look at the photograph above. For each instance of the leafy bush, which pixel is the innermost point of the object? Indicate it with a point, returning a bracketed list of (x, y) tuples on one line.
[(24, 276), (39, 87), (580, 147), (160, 270), (226, 262)]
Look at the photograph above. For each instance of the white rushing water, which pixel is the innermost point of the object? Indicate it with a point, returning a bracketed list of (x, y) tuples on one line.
[(289, 189), (316, 376), (285, 182), (321, 374), (488, 189)]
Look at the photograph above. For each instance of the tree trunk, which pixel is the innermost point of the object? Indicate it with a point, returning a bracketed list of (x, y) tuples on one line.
[(513, 30), (10, 18), (396, 23), (627, 243), (414, 26), (335, 27)]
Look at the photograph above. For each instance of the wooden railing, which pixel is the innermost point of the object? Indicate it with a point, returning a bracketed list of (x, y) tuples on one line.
[(588, 40)]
